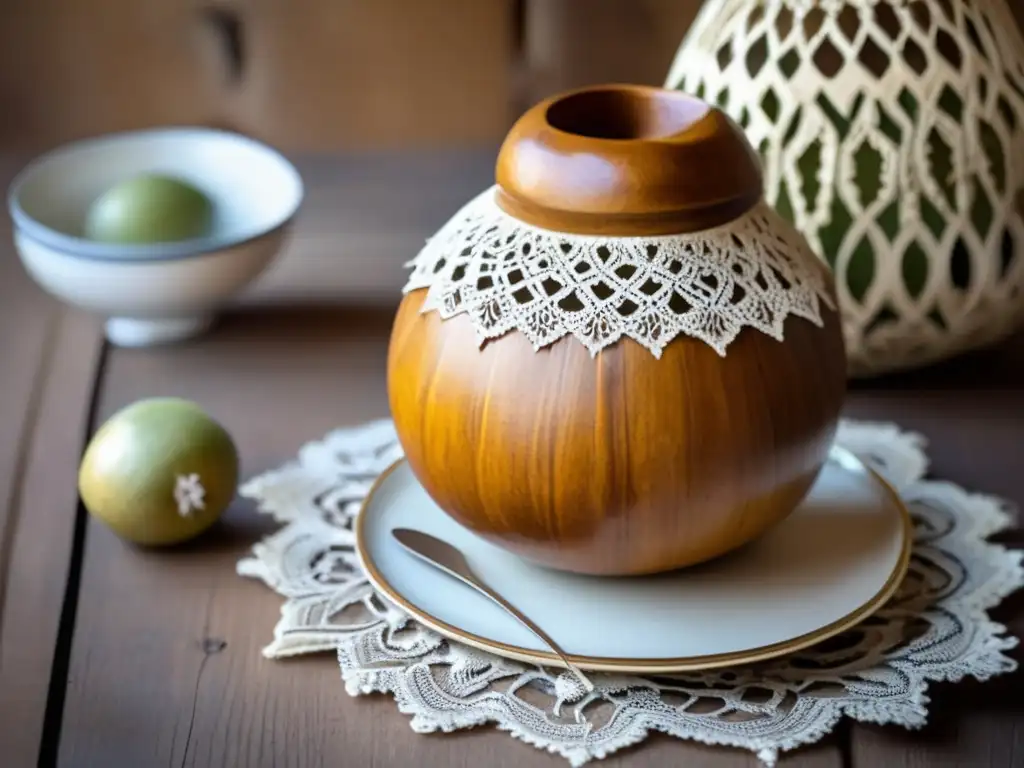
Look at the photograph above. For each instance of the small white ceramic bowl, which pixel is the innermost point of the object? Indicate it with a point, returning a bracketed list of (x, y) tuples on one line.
[(154, 293)]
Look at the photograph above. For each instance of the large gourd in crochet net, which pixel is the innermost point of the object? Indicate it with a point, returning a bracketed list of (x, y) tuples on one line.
[(892, 135)]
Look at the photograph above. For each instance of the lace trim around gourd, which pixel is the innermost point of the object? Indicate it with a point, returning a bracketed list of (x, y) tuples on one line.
[(508, 275)]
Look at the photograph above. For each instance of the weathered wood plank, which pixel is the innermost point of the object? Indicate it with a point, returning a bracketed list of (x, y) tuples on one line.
[(26, 331), (41, 530), (47, 362)]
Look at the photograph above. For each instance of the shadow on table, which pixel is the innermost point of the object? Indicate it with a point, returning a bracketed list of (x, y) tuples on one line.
[(996, 368), (236, 532)]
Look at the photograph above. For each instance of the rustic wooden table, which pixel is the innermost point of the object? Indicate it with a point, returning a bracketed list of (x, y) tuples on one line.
[(105, 657)]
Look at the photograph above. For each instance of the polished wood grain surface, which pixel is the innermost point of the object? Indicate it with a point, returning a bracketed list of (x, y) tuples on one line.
[(600, 465), (622, 463), (159, 660), (626, 160)]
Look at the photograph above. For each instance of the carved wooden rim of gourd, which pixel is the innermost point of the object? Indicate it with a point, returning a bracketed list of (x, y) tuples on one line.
[(627, 160)]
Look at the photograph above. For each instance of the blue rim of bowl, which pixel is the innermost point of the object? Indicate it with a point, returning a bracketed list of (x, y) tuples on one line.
[(129, 253)]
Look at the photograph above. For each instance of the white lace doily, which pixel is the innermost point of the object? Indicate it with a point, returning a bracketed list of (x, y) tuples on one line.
[(936, 628), (508, 275)]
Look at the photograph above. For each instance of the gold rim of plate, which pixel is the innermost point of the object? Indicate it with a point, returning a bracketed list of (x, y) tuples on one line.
[(660, 665)]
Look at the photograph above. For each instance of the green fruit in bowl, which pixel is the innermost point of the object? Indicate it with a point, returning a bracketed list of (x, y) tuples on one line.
[(149, 208), (159, 472)]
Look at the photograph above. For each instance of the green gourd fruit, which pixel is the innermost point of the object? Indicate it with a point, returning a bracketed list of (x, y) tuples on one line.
[(149, 208), (159, 472)]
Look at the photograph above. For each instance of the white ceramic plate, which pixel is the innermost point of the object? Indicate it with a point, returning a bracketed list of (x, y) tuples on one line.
[(828, 566)]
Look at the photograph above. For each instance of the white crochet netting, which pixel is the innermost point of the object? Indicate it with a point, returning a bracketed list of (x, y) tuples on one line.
[(892, 135), (936, 628), (506, 275)]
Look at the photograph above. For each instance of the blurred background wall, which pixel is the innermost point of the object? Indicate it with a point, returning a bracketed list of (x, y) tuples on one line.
[(317, 74), (396, 106)]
